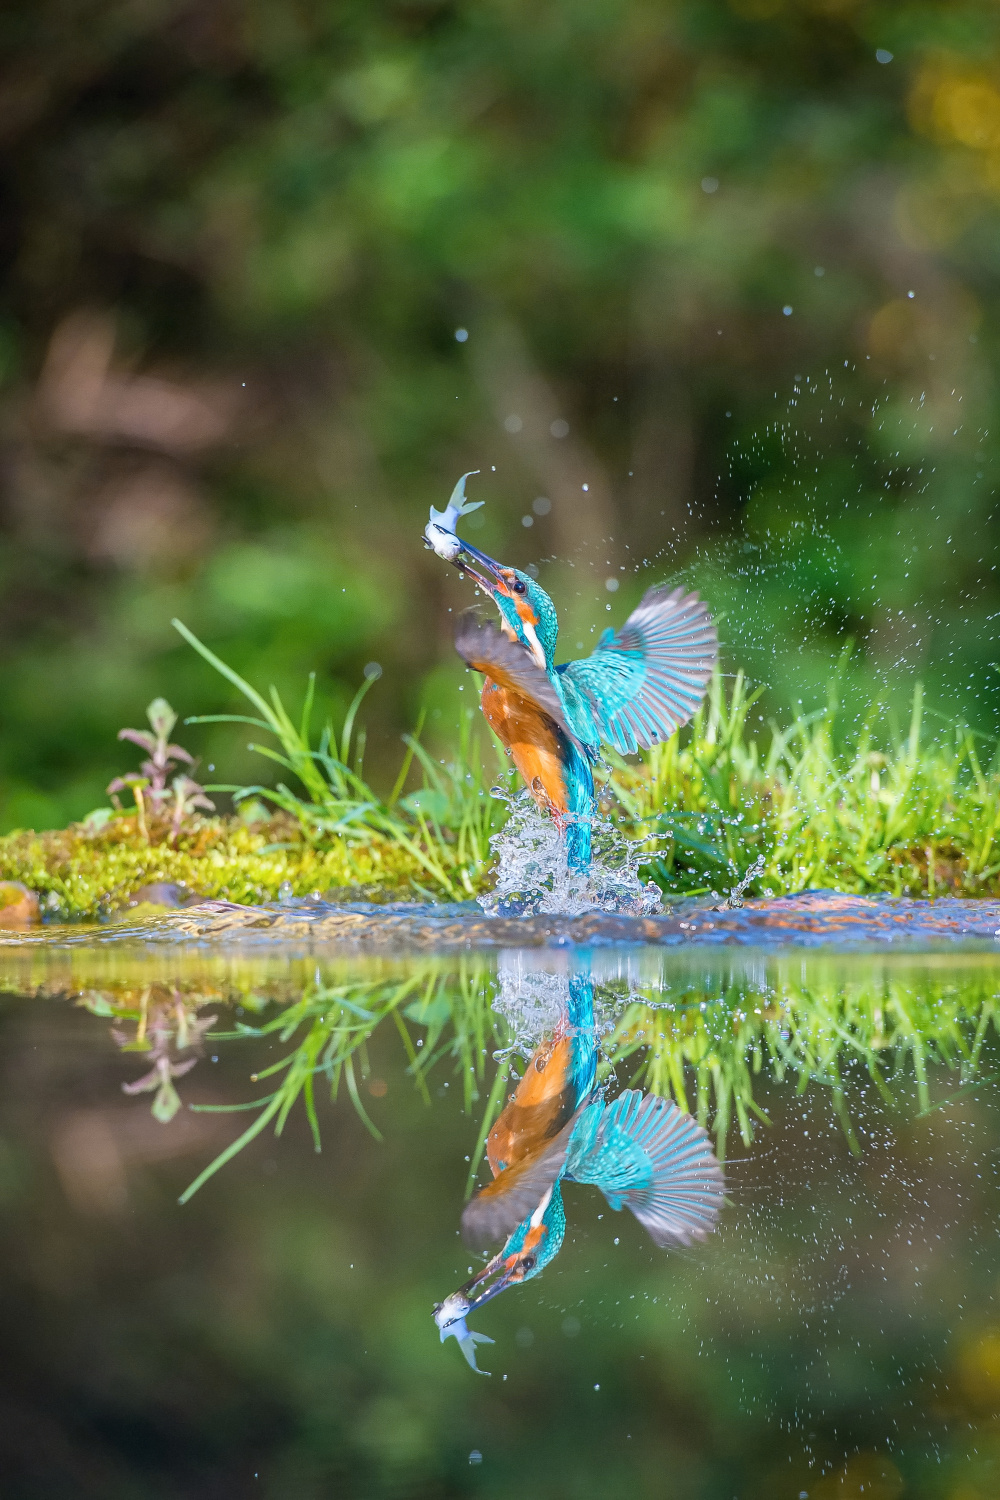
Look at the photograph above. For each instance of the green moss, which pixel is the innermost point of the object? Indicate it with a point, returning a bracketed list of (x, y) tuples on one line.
[(90, 875)]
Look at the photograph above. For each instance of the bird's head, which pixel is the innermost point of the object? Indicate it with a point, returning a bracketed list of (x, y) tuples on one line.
[(526, 611), (527, 1252)]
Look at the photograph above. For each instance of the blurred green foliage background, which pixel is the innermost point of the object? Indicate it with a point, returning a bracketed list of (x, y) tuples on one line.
[(708, 285)]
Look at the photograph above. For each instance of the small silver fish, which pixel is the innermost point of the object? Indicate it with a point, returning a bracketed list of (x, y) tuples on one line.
[(440, 529), (449, 1316)]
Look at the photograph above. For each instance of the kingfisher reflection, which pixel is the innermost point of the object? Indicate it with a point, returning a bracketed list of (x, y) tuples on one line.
[(640, 1150)]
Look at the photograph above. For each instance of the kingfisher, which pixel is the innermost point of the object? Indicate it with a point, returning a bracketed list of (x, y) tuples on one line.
[(526, 1146), (633, 691), (642, 1151)]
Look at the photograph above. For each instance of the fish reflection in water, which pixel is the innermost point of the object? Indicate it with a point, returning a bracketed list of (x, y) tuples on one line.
[(642, 1151)]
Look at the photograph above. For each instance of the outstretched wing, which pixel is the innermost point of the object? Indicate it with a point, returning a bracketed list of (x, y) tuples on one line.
[(648, 1156), (513, 1195), (638, 686), (486, 649)]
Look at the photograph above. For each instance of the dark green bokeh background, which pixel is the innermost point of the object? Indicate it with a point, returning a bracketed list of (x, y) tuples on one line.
[(237, 240)]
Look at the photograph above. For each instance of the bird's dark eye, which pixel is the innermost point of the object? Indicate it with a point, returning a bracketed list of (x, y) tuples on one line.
[(519, 587), (529, 1260)]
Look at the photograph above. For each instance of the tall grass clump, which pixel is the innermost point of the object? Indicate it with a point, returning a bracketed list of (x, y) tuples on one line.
[(901, 813), (444, 827), (715, 808)]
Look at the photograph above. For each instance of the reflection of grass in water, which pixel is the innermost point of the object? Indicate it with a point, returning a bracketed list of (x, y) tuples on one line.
[(332, 1026), (884, 812), (709, 1047)]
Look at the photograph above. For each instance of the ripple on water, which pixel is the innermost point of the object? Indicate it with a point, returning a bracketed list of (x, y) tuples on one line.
[(809, 920)]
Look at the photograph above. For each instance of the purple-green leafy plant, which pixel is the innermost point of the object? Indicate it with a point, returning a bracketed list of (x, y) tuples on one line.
[(149, 786)]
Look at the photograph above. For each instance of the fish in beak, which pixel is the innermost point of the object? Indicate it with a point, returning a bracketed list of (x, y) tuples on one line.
[(449, 1316), (490, 576)]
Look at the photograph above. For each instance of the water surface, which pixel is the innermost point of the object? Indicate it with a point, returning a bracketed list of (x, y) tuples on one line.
[(838, 1335)]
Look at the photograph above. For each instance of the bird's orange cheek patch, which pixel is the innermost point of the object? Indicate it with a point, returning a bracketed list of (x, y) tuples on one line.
[(525, 612)]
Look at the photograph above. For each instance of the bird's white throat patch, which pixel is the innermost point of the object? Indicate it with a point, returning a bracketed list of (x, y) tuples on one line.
[(539, 1214), (534, 645)]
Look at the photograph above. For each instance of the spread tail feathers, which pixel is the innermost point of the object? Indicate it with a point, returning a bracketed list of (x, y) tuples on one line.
[(650, 1157)]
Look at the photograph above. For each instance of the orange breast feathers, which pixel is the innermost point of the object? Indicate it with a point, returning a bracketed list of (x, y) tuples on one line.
[(533, 741), (542, 1104)]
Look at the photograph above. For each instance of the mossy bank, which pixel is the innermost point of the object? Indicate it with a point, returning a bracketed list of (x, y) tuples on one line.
[(803, 807)]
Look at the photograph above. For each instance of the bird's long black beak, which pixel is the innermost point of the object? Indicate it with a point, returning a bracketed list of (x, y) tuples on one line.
[(499, 1268), (488, 574)]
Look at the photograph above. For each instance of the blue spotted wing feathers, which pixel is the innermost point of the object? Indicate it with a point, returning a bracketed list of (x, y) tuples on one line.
[(647, 1155), (640, 685)]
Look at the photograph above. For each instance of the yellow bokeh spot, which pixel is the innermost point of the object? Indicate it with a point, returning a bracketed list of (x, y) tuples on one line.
[(979, 1366), (955, 104), (968, 110), (869, 1476)]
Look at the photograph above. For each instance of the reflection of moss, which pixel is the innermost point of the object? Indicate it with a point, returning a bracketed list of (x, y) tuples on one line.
[(707, 1042)]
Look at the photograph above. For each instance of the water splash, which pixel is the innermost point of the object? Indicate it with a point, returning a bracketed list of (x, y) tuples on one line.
[(735, 897), (533, 877), (531, 996)]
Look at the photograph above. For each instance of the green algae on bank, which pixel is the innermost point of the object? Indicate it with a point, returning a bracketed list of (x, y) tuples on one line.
[(80, 874)]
